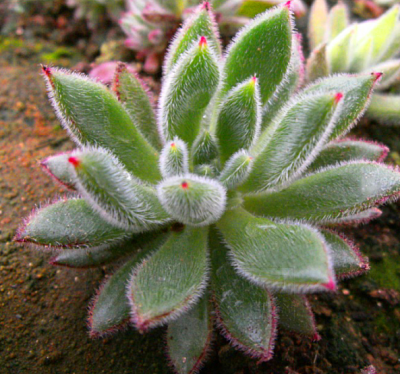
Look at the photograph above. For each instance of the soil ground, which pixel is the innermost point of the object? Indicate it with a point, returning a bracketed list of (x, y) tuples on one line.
[(43, 309)]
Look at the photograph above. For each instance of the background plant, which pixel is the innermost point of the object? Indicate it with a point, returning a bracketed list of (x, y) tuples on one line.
[(339, 46), (230, 193)]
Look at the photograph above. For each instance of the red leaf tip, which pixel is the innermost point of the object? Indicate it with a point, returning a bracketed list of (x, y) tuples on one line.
[(203, 41), (74, 161), (185, 185), (331, 285), (173, 145), (338, 97), (377, 76), (316, 337), (46, 71), (254, 79), (288, 4), (206, 5)]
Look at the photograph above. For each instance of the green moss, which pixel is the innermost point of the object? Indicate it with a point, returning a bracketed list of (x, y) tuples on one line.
[(386, 273)]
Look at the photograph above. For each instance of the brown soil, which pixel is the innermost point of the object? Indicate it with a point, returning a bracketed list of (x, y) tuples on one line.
[(43, 309)]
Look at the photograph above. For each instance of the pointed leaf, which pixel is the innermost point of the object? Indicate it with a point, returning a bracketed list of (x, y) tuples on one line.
[(189, 338), (385, 109), (174, 159), (338, 50), (201, 23), (187, 91), (193, 200), (290, 145), (205, 148), (103, 254), (363, 56), (357, 218), (338, 20), (114, 193), (261, 49), (133, 93), (357, 90), (245, 312), (236, 170), (317, 64), (283, 256), (239, 119), (93, 116), (67, 224), (391, 73), (295, 314), (394, 47), (290, 83), (317, 23), (166, 284), (57, 167), (346, 257), (349, 150), (330, 194)]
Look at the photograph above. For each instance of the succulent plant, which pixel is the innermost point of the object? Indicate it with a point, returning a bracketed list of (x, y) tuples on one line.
[(221, 208), (94, 10), (149, 25), (339, 46)]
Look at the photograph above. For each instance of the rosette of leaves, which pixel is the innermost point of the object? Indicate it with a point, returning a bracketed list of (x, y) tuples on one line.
[(149, 25), (339, 46), (220, 207)]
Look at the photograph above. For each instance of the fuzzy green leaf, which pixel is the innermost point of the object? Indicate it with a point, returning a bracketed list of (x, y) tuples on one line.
[(239, 120), (295, 314), (277, 255), (174, 159), (338, 20), (57, 167), (347, 260), (192, 199), (385, 109), (338, 51), (187, 92), (236, 170), (116, 194), (93, 116), (261, 49), (245, 312), (394, 46), (349, 150), (391, 73), (189, 338), (201, 23), (69, 223), (330, 194), (289, 146), (171, 280), (317, 64), (135, 97), (357, 90), (317, 23), (205, 148)]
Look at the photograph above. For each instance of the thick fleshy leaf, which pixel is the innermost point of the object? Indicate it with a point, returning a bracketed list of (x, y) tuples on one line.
[(357, 90), (317, 64), (394, 47), (192, 199), (290, 145), (282, 256), (385, 108), (391, 73), (68, 223), (119, 197), (201, 23), (291, 82), (236, 170), (245, 312), (261, 49), (317, 23), (205, 148), (57, 167), (357, 218), (349, 150), (338, 51), (166, 284), (187, 91), (327, 195), (239, 119), (363, 57), (295, 314), (132, 92), (110, 309), (174, 159), (93, 116), (346, 257), (338, 20), (103, 254), (189, 338)]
